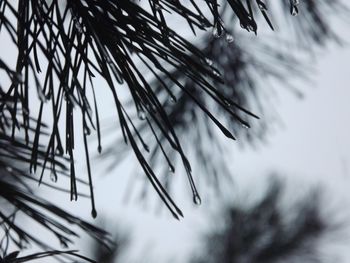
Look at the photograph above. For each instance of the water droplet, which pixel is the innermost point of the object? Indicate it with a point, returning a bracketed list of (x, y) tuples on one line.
[(227, 102), (48, 96), (72, 100), (196, 199), (216, 73), (53, 177), (171, 169), (209, 61), (19, 78), (109, 60), (157, 7), (99, 149), (78, 26), (229, 38), (204, 25), (25, 111), (172, 99), (262, 6), (87, 130), (294, 10), (251, 27), (171, 34), (294, 7), (217, 30), (59, 151), (141, 114), (93, 213), (246, 126), (9, 169)]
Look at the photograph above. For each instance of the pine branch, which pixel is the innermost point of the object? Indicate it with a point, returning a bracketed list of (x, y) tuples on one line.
[(20, 200), (251, 72), (14, 258), (62, 47)]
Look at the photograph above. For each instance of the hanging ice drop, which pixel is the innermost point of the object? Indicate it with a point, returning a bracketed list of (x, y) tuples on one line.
[(209, 61), (229, 38), (171, 169), (93, 213), (197, 199), (217, 30), (53, 177), (141, 114), (294, 11), (294, 7), (87, 130), (172, 99)]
